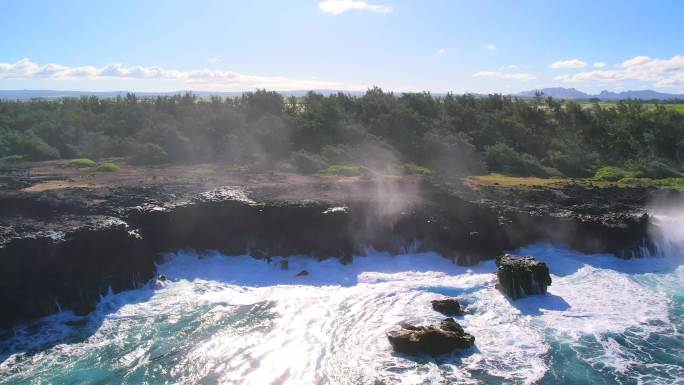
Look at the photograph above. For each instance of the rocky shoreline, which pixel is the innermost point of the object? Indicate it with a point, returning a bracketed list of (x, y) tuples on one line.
[(63, 248)]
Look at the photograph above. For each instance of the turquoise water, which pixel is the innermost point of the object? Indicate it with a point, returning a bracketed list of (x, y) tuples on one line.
[(236, 320)]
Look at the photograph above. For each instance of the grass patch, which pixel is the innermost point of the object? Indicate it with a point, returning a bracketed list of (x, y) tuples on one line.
[(81, 162), (108, 167), (514, 181), (344, 170), (504, 181), (610, 174), (13, 158), (411, 168), (673, 183), (679, 107)]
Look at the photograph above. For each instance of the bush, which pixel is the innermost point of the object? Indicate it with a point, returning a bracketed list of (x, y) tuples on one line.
[(345, 170), (108, 167), (82, 162), (13, 158), (33, 147), (284, 166), (337, 154), (653, 169), (450, 154), (502, 158), (610, 174), (576, 164), (410, 168), (150, 153), (308, 163)]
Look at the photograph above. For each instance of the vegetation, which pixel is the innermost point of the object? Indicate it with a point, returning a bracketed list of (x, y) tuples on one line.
[(81, 162), (108, 167), (450, 135), (501, 180), (345, 170), (411, 168), (12, 158), (610, 174)]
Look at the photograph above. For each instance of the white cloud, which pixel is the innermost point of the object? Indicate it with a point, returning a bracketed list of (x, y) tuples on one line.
[(215, 79), (441, 51), (660, 72), (214, 60), (502, 75), (512, 66), (573, 63), (337, 7), (490, 47), (599, 64)]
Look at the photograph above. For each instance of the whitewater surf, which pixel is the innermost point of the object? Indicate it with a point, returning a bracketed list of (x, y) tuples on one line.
[(238, 320)]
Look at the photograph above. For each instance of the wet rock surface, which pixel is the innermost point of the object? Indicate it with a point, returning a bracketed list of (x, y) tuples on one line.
[(449, 307), (67, 239), (520, 276), (432, 339)]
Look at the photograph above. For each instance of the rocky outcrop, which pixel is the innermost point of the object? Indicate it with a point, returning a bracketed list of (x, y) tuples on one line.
[(63, 249), (520, 276), (432, 339), (44, 274), (449, 307)]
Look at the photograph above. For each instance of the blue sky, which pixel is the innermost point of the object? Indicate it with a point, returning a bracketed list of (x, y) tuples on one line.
[(440, 45)]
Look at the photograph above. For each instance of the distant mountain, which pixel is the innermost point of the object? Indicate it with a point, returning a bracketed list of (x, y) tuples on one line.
[(642, 94), (556, 93), (572, 93)]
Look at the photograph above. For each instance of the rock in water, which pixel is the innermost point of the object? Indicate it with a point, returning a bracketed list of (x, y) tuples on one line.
[(431, 339), (448, 307), (521, 276), (302, 273)]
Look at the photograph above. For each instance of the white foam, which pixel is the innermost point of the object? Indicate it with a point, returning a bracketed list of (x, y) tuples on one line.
[(240, 320)]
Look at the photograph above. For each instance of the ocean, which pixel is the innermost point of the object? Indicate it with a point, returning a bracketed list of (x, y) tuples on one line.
[(237, 320)]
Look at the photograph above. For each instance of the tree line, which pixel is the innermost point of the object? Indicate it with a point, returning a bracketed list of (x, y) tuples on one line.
[(450, 134)]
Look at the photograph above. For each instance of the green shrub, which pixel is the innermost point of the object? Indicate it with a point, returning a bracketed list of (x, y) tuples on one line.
[(345, 170), (82, 162), (32, 147), (150, 153), (575, 163), (653, 169), (450, 154), (308, 163), (13, 158), (502, 158), (337, 154), (610, 174), (108, 167), (410, 168), (284, 166)]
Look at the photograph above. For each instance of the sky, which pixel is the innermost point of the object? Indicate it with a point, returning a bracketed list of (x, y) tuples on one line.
[(460, 46)]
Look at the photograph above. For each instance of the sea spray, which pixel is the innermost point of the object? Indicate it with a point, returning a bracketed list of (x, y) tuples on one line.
[(238, 320)]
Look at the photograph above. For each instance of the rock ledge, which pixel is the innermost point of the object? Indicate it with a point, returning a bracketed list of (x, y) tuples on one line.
[(520, 276), (431, 339)]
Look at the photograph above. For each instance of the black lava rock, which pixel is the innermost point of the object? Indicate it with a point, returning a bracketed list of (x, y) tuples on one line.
[(431, 339), (521, 276), (449, 307)]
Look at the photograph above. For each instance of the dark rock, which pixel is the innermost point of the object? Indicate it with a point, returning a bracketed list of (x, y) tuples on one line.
[(432, 339), (448, 307), (162, 278), (302, 273), (284, 264), (64, 249), (346, 259), (43, 275), (521, 276)]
